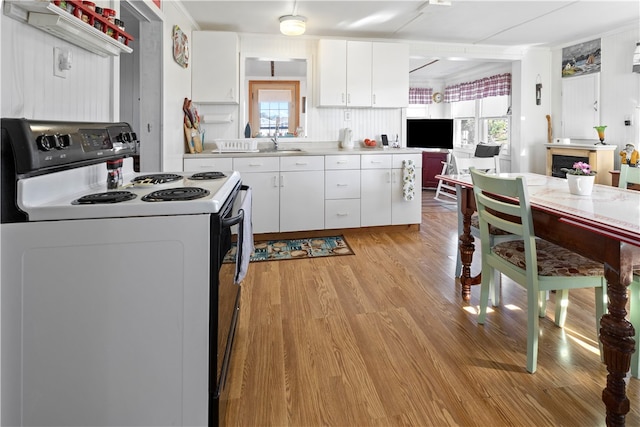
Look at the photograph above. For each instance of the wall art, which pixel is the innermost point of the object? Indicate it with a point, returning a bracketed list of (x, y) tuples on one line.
[(582, 58), (180, 47)]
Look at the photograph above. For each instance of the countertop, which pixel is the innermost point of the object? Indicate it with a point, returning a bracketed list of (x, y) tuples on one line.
[(307, 149)]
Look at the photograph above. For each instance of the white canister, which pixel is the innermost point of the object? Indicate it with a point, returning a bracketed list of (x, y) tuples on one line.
[(347, 138)]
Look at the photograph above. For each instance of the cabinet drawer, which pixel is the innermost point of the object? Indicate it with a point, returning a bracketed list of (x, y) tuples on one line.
[(209, 164), (399, 158), (342, 184), (301, 163), (256, 164), (342, 162), (342, 213), (376, 161)]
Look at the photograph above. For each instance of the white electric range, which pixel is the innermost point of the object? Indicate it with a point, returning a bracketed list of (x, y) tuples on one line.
[(117, 308)]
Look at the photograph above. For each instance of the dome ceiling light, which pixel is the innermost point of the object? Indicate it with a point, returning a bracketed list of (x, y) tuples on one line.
[(293, 25)]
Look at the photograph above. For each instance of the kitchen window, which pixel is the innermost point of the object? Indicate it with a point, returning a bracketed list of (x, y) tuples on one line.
[(483, 120), (274, 107)]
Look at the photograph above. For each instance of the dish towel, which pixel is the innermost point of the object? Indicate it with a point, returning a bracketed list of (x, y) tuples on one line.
[(408, 180), (245, 237)]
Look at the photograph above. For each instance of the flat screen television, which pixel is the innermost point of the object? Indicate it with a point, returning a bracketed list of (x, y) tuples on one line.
[(430, 133)]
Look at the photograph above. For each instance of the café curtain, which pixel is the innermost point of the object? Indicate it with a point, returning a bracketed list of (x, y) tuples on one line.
[(497, 85), (420, 95)]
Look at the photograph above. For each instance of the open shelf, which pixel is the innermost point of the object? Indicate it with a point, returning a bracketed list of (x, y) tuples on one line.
[(49, 17)]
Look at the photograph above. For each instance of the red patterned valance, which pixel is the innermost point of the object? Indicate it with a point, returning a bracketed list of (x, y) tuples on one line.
[(420, 95), (497, 85)]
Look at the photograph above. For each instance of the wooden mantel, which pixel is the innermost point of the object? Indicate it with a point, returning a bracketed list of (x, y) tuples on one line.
[(599, 156)]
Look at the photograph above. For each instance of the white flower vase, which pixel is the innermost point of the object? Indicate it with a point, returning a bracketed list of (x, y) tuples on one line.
[(580, 185)]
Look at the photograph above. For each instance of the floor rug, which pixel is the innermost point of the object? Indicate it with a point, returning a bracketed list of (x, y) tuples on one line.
[(274, 250)]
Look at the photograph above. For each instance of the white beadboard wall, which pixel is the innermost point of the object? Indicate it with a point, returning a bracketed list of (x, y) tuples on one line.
[(619, 89), (29, 88)]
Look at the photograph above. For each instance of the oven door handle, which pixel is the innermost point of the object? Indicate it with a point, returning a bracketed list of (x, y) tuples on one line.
[(231, 221)]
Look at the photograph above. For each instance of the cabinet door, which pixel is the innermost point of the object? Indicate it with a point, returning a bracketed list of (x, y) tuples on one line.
[(375, 197), (332, 75), (208, 164), (342, 184), (301, 201), (432, 166), (215, 73), (405, 211), (359, 74), (390, 75), (581, 106), (265, 200)]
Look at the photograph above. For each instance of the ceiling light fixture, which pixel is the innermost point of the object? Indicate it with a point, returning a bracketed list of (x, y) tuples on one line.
[(293, 25)]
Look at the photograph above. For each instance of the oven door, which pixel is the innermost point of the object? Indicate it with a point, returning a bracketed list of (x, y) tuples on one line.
[(228, 299)]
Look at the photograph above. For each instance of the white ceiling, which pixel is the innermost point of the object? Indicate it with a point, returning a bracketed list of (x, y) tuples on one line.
[(502, 23)]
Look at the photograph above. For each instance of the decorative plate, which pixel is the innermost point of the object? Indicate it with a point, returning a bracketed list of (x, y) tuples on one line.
[(180, 47)]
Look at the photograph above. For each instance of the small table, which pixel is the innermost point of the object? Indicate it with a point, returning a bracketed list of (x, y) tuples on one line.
[(605, 227)]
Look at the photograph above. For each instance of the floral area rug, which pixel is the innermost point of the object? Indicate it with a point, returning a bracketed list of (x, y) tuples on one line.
[(274, 250)]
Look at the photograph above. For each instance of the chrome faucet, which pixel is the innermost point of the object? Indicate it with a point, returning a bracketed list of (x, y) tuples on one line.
[(275, 135)]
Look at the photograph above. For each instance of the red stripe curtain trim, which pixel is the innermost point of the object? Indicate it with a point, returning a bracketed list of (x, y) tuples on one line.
[(420, 95), (497, 85)]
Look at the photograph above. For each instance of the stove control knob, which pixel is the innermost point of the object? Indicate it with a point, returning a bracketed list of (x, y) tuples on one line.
[(44, 142), (62, 141)]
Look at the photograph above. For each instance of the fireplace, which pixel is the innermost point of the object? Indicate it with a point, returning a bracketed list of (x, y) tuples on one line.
[(559, 161), (600, 157)]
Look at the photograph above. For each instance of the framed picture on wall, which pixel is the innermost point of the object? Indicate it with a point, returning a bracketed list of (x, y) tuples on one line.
[(582, 58), (180, 47)]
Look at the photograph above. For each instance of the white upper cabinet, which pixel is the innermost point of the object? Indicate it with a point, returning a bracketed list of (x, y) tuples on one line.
[(215, 74), (362, 74), (390, 75), (344, 73)]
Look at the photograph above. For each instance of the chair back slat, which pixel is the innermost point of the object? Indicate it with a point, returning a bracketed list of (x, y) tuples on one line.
[(628, 175), (513, 215), (488, 164)]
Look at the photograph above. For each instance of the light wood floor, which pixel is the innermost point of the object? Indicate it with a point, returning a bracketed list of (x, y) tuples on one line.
[(382, 338)]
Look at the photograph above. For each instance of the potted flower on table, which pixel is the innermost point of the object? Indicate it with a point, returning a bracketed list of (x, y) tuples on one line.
[(580, 178)]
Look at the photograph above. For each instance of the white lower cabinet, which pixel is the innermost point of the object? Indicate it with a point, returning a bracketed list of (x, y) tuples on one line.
[(382, 197), (298, 193), (342, 191), (406, 211), (208, 164), (301, 193), (262, 174)]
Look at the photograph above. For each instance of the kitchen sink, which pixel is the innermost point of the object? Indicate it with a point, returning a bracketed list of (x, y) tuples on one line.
[(281, 150)]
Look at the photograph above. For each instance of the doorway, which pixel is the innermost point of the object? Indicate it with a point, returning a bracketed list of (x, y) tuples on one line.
[(141, 96)]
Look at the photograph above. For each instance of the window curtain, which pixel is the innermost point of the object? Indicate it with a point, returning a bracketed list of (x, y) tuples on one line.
[(420, 95), (488, 86)]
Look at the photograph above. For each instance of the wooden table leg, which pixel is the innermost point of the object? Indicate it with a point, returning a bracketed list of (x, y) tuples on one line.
[(466, 246), (616, 334)]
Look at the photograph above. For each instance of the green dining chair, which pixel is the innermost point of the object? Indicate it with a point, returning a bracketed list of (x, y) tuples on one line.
[(491, 165), (536, 264), (631, 175)]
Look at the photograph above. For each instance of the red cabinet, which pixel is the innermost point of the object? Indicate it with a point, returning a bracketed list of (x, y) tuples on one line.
[(432, 166)]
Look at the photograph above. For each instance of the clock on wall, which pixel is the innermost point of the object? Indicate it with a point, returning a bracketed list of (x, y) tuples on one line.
[(437, 97)]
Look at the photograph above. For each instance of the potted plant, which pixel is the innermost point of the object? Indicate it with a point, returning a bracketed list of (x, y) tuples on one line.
[(580, 178)]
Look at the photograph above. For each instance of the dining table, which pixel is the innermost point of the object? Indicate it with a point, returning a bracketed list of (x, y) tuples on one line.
[(603, 226)]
